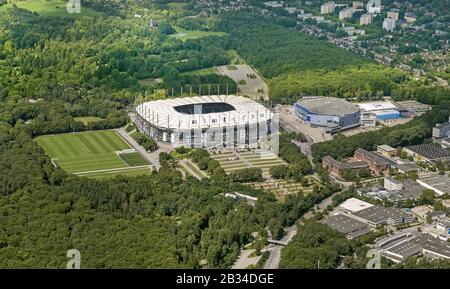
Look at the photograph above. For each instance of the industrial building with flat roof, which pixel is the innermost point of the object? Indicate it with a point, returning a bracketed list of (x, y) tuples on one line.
[(205, 121), (335, 114), (430, 152), (353, 205), (412, 107), (383, 110), (378, 215), (440, 184), (347, 225)]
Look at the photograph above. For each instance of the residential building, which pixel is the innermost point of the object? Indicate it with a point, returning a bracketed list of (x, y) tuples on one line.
[(357, 4), (410, 17), (327, 8), (346, 13), (389, 24), (374, 6), (366, 19), (393, 14)]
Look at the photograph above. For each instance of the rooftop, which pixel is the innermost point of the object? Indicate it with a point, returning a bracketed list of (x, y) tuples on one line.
[(203, 111), (377, 105), (328, 105), (438, 183), (347, 225), (386, 148), (430, 151), (355, 205), (379, 214)]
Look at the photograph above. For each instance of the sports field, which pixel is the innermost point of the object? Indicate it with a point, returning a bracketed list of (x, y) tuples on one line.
[(91, 153), (51, 8)]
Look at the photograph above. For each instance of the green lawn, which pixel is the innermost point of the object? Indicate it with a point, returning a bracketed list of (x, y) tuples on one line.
[(184, 35), (51, 8), (203, 71), (87, 119), (85, 151), (134, 159)]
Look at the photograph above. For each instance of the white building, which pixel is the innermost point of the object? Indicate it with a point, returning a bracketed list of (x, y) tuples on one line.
[(346, 13), (357, 4), (374, 6), (392, 185), (389, 24), (354, 205), (206, 121), (327, 8), (366, 19)]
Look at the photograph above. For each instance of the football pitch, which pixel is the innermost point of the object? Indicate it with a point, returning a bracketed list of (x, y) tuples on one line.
[(90, 153)]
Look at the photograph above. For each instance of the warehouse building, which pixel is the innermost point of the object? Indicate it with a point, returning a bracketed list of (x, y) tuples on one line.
[(377, 216), (430, 152), (347, 225)]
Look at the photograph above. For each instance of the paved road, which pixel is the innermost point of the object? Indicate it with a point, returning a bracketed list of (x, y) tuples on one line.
[(244, 260), (273, 262), (152, 157)]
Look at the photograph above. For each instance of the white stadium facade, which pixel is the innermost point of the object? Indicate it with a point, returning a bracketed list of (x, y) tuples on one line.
[(208, 121)]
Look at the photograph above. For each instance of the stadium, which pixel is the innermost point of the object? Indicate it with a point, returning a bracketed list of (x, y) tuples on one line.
[(206, 121), (335, 114)]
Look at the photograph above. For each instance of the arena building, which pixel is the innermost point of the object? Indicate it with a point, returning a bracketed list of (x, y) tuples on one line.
[(208, 121), (335, 114)]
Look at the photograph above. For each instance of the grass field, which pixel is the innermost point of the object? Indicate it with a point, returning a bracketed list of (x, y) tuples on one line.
[(88, 152), (87, 119), (51, 8), (134, 159), (203, 71), (184, 35)]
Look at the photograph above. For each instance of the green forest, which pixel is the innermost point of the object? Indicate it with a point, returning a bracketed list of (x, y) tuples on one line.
[(54, 70)]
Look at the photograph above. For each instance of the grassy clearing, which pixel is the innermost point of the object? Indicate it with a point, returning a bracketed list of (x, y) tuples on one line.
[(203, 71), (87, 119), (85, 151), (55, 8), (262, 160), (184, 35)]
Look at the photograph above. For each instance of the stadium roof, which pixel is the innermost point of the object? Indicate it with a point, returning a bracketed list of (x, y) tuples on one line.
[(376, 105), (203, 112), (328, 105)]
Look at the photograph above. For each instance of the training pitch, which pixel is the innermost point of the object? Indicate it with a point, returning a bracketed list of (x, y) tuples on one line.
[(92, 153)]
